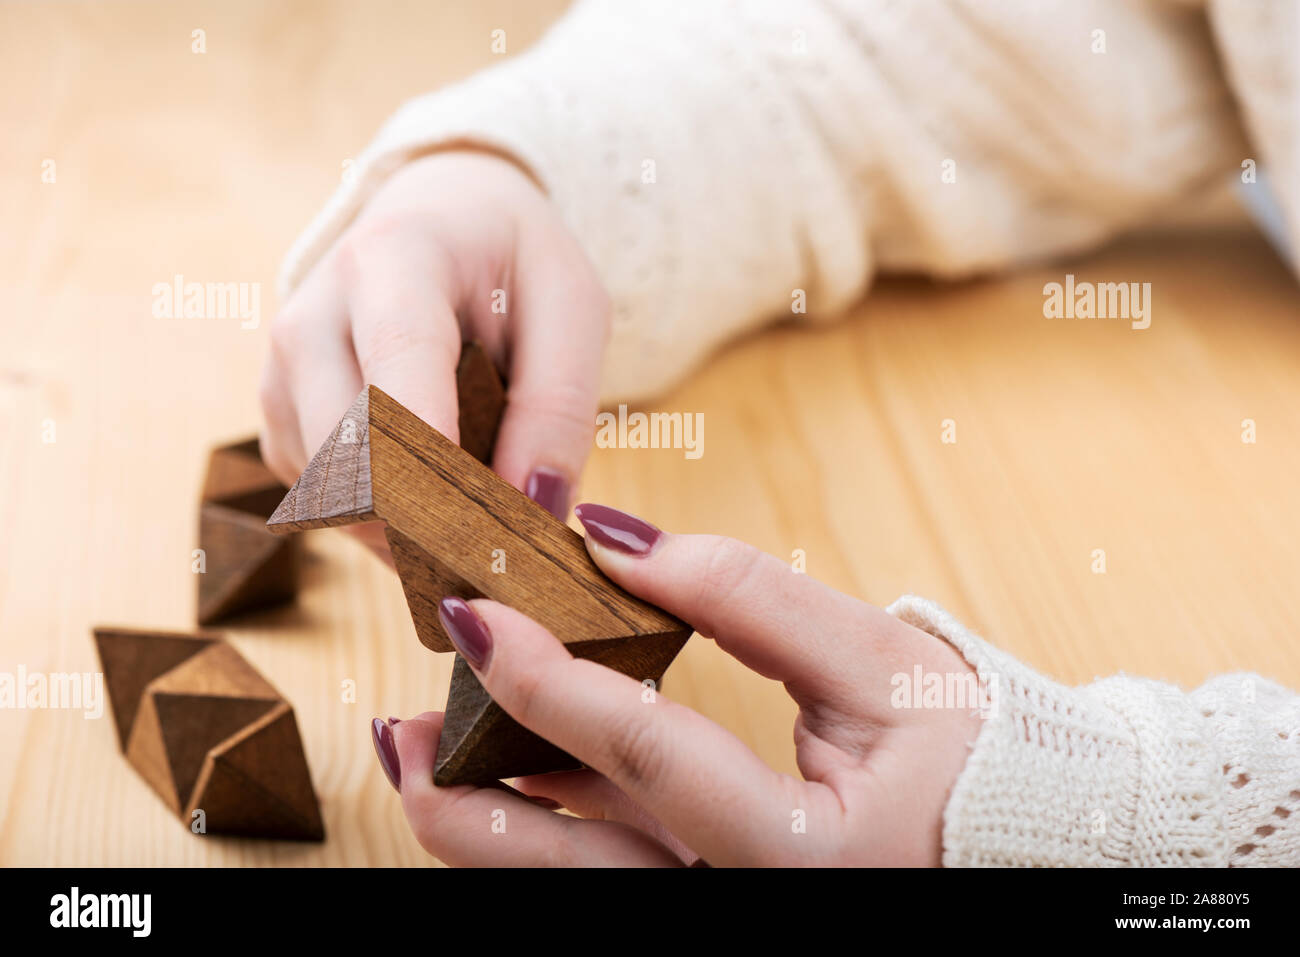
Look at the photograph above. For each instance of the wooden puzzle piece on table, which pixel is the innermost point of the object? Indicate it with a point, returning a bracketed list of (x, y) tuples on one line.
[(208, 733), (449, 518), (245, 567)]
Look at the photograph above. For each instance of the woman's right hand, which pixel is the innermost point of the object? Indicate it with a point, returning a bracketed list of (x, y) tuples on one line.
[(454, 246)]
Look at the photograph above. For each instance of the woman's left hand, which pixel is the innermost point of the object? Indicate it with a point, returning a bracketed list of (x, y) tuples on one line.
[(666, 786)]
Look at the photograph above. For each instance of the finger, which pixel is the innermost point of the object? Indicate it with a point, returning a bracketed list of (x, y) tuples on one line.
[(280, 441), (591, 795), (694, 776), (313, 344), (555, 362), (315, 347), (488, 827), (404, 329), (827, 647)]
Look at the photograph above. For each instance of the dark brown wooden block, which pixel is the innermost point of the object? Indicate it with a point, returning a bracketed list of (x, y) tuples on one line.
[(206, 731), (247, 568), (449, 517), (481, 400)]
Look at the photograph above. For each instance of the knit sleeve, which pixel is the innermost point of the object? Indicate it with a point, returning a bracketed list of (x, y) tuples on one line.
[(728, 163), (1259, 44), (1122, 772)]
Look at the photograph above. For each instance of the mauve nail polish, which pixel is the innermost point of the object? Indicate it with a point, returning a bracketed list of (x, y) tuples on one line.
[(466, 630), (386, 751), (549, 489), (617, 530)]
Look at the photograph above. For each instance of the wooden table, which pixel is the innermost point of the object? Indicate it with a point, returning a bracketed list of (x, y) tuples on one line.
[(1072, 435)]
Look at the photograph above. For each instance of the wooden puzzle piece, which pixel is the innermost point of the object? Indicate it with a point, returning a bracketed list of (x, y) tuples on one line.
[(456, 528), (245, 567), (208, 733), (481, 401)]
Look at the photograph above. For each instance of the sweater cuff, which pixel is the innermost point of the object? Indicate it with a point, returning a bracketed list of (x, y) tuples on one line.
[(1121, 772)]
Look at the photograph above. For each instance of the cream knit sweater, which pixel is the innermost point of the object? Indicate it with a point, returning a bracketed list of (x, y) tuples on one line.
[(713, 157)]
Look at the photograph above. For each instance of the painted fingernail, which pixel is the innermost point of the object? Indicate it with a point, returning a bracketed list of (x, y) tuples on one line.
[(618, 530), (393, 721), (549, 489), (466, 630), (386, 751)]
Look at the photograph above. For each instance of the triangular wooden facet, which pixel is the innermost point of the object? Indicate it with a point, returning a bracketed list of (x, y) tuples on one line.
[(335, 488), (234, 805), (236, 471), (132, 659), (146, 751), (481, 401), (644, 657), (217, 670), (247, 568), (192, 725), (260, 783), (481, 743), (472, 717), (425, 583)]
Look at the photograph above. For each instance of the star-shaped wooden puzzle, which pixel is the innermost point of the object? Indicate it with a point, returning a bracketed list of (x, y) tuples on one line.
[(456, 528), (209, 733)]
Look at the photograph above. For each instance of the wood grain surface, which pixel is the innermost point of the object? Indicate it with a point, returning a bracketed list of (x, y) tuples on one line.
[(1071, 435)]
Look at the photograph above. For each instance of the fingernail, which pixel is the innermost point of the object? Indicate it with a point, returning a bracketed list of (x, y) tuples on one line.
[(386, 751), (466, 630), (393, 721), (549, 489), (618, 530)]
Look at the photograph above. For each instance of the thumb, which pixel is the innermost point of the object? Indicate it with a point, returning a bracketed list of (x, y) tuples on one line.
[(414, 743)]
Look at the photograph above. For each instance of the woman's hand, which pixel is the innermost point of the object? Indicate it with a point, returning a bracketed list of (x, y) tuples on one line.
[(666, 785), (454, 245)]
